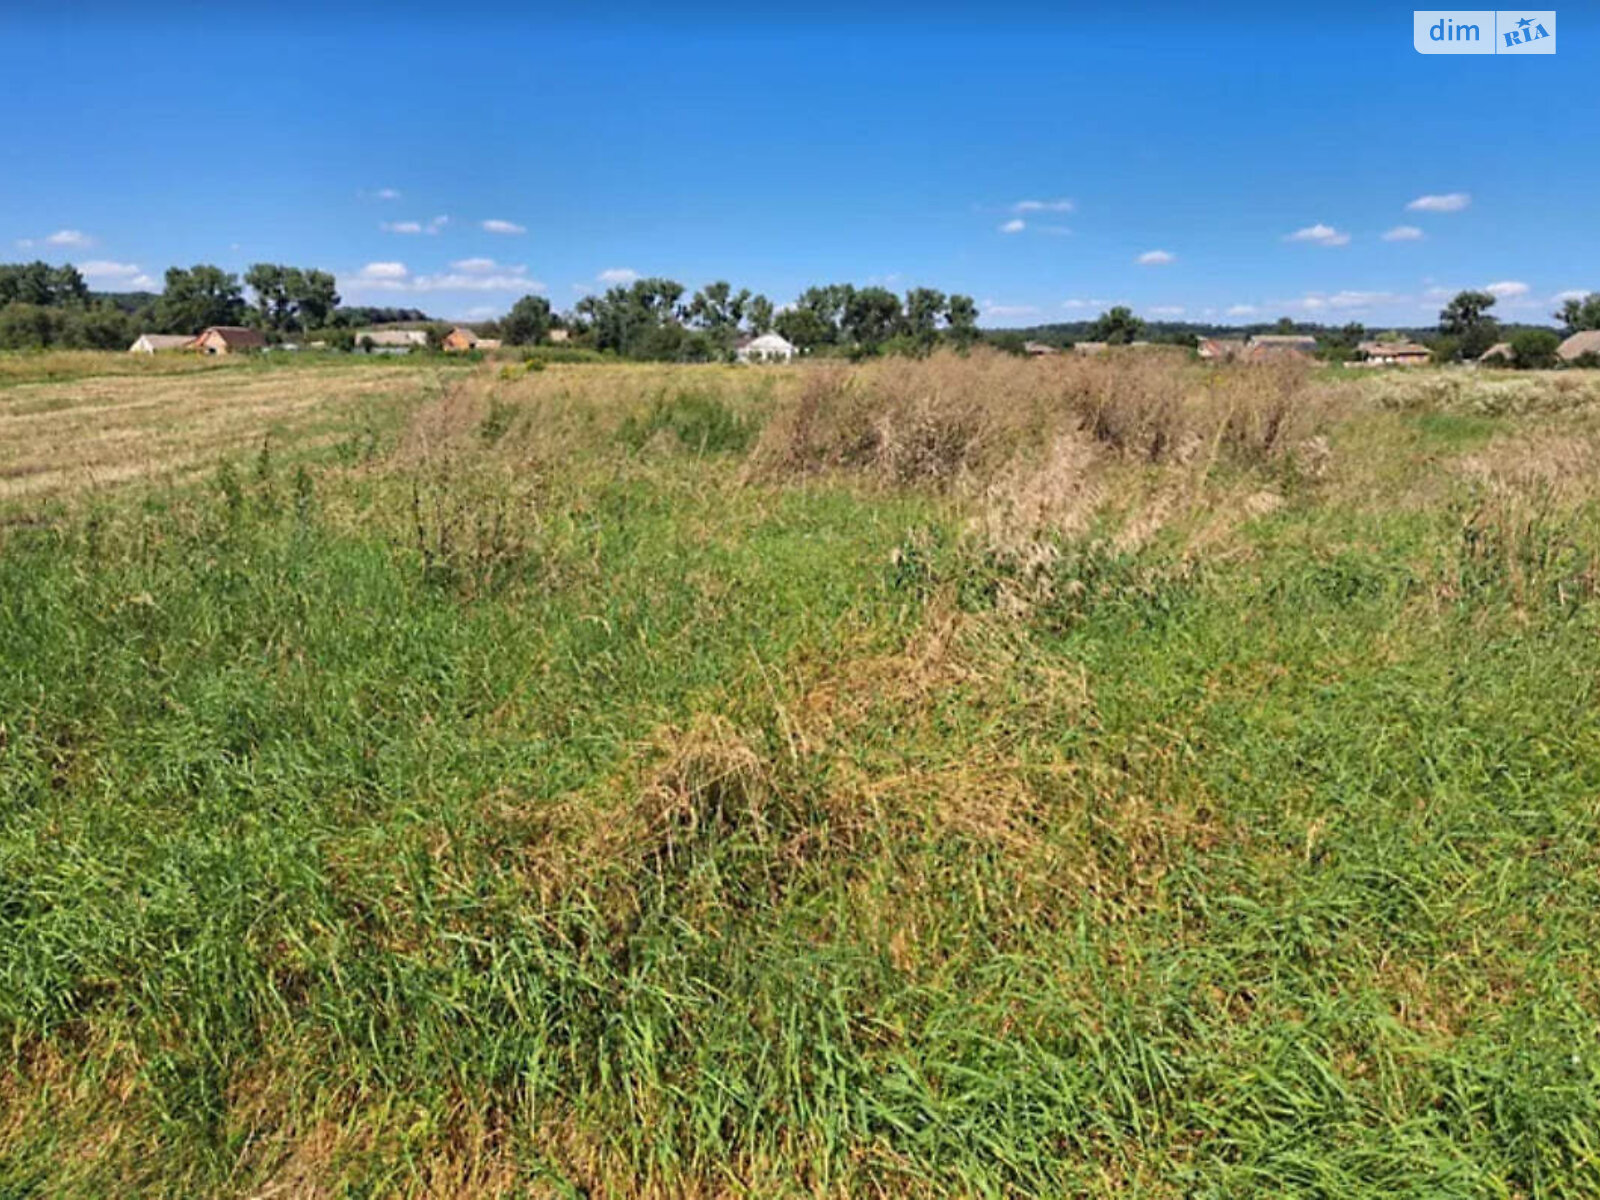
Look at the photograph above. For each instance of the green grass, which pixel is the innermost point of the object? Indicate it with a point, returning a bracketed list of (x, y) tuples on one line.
[(621, 827)]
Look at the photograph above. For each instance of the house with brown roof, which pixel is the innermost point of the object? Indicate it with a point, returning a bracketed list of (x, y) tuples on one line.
[(1579, 345), (1220, 349), (228, 339), (1265, 346), (1038, 349), (152, 343), (460, 339), (1394, 354), (1499, 354)]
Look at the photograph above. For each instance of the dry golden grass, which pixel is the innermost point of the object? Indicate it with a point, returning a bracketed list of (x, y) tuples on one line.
[(87, 433)]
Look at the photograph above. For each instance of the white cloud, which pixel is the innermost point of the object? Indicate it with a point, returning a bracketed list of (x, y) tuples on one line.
[(433, 226), (115, 272), (1015, 225), (69, 237), (510, 279), (24, 243), (494, 225), (1242, 310), (1322, 235), (1349, 299), (384, 270), (991, 309), (1023, 206), (1313, 303), (142, 283), (1403, 233), (1507, 289), (1081, 304), (1165, 310), (468, 275), (1156, 258), (480, 312), (617, 275), (1569, 294), (1448, 203), (387, 194)]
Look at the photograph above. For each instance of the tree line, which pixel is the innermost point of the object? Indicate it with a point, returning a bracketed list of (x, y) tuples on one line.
[(657, 318)]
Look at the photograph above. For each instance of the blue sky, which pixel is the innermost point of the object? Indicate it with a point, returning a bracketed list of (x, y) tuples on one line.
[(1235, 164)]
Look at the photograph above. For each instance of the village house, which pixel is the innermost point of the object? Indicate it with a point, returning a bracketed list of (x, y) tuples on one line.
[(391, 341), (1579, 345), (460, 339), (1394, 354), (1039, 349), (557, 335), (229, 339), (1265, 346), (1089, 347), (769, 347), (1497, 355), (1220, 349), (151, 343)]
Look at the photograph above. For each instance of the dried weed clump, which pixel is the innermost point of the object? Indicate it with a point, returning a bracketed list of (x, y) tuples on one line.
[(949, 419)]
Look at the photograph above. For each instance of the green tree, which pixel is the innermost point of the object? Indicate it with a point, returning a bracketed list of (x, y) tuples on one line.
[(805, 327), (1117, 327), (203, 295), (315, 295), (40, 284), (871, 317), (1466, 318), (961, 321), (924, 307), (758, 314), (1577, 314), (1534, 349), (527, 323)]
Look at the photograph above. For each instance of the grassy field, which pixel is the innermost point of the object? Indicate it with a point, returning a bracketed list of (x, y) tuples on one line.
[(967, 777)]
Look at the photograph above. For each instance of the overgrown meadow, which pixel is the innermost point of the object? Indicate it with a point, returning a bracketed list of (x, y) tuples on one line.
[(958, 777)]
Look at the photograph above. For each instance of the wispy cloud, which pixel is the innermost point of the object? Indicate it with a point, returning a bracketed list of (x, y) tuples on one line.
[(1508, 289), (1057, 206), (1320, 234), (1569, 294), (465, 275), (617, 275), (434, 225), (1448, 203), (1078, 304), (1242, 310), (115, 272), (991, 309), (383, 272), (1156, 258), (387, 194), (495, 225), (1015, 225), (1165, 310), (1053, 230), (1355, 299), (1403, 233)]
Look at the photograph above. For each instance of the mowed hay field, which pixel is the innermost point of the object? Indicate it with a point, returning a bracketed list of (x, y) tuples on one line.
[(960, 777), (80, 429)]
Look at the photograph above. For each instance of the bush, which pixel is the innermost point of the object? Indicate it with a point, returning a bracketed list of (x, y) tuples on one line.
[(699, 422), (1535, 349)]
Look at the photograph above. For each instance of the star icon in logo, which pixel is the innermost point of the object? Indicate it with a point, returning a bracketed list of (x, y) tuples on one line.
[(1524, 23)]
